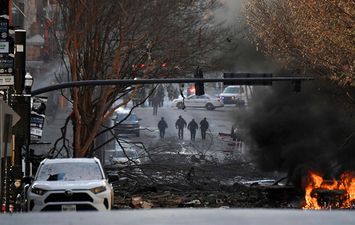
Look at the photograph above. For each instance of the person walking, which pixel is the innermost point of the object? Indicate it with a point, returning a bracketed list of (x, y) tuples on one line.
[(192, 126), (155, 102), (204, 126), (161, 94), (162, 125), (180, 124)]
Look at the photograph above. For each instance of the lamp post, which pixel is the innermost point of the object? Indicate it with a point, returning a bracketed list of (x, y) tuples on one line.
[(28, 83), (27, 95)]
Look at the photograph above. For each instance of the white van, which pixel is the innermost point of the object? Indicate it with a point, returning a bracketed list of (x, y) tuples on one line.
[(234, 94)]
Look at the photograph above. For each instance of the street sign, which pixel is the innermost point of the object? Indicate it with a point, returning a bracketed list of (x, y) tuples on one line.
[(38, 115), (4, 47), (4, 28), (6, 109), (6, 65), (6, 80), (6, 71)]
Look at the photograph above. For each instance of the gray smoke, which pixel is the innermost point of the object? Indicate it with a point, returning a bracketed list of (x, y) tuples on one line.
[(229, 13), (297, 132)]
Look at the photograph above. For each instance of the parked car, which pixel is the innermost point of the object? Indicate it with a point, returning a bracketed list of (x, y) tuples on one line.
[(73, 184), (198, 101), (126, 123), (234, 94), (123, 155)]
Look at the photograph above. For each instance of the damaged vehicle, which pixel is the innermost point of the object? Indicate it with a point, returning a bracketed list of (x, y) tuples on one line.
[(70, 184), (118, 158)]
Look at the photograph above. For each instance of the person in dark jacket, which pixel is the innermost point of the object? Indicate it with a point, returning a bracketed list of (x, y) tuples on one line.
[(155, 102), (161, 94), (180, 124), (204, 126), (162, 125), (192, 126)]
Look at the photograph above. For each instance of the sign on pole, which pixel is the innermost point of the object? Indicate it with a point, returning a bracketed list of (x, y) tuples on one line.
[(6, 48), (38, 116), (6, 71)]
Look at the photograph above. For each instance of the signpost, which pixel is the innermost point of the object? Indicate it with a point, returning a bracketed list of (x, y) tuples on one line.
[(6, 53), (38, 115), (6, 71), (4, 28), (8, 118)]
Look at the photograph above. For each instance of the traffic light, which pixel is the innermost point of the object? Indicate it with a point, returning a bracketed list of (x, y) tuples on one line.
[(199, 86)]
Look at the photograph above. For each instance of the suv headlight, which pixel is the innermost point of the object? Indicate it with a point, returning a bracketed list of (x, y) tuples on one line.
[(99, 189), (38, 191)]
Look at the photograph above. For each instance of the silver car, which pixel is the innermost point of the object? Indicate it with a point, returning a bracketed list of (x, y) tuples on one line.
[(72, 184), (198, 101)]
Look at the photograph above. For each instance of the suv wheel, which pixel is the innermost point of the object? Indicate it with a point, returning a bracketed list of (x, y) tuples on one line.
[(209, 106)]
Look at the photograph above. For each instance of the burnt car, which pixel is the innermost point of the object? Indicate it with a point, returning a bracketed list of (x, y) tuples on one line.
[(123, 155), (126, 123)]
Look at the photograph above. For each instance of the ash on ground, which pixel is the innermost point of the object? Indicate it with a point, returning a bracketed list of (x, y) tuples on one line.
[(177, 174)]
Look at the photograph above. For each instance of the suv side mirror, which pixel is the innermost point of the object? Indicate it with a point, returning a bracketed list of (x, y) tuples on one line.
[(27, 180)]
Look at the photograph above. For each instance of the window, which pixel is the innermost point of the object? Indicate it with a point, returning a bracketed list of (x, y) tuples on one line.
[(232, 90), (73, 171), (203, 97), (192, 97), (121, 116)]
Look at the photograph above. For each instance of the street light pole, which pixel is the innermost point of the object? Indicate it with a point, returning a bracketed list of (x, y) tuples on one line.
[(28, 87)]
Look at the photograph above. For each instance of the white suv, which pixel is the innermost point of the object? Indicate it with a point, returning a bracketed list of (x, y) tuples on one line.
[(233, 95), (72, 184)]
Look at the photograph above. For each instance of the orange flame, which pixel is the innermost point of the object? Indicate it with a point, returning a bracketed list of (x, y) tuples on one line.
[(345, 187)]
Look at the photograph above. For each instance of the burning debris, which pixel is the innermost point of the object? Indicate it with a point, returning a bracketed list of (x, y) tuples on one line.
[(330, 194), (294, 133)]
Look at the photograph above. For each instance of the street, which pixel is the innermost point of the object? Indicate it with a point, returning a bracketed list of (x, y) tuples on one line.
[(220, 119), (176, 104)]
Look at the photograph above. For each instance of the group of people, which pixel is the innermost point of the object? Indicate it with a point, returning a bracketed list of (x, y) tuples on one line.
[(155, 99), (181, 124)]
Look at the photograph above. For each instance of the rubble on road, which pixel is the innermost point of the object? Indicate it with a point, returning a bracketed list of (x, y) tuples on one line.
[(208, 196), (192, 176)]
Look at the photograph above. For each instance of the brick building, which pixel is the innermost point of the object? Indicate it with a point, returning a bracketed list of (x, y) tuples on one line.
[(38, 18)]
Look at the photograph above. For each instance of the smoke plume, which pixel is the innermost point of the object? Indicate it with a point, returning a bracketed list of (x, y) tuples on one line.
[(296, 132)]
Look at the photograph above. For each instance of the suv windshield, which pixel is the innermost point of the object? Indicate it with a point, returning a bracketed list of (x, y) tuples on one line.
[(69, 172), (232, 90)]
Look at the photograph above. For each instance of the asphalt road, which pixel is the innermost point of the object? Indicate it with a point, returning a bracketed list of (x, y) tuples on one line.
[(220, 119), (186, 217)]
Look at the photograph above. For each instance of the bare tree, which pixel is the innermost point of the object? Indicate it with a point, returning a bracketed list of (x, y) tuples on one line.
[(124, 40), (315, 35)]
